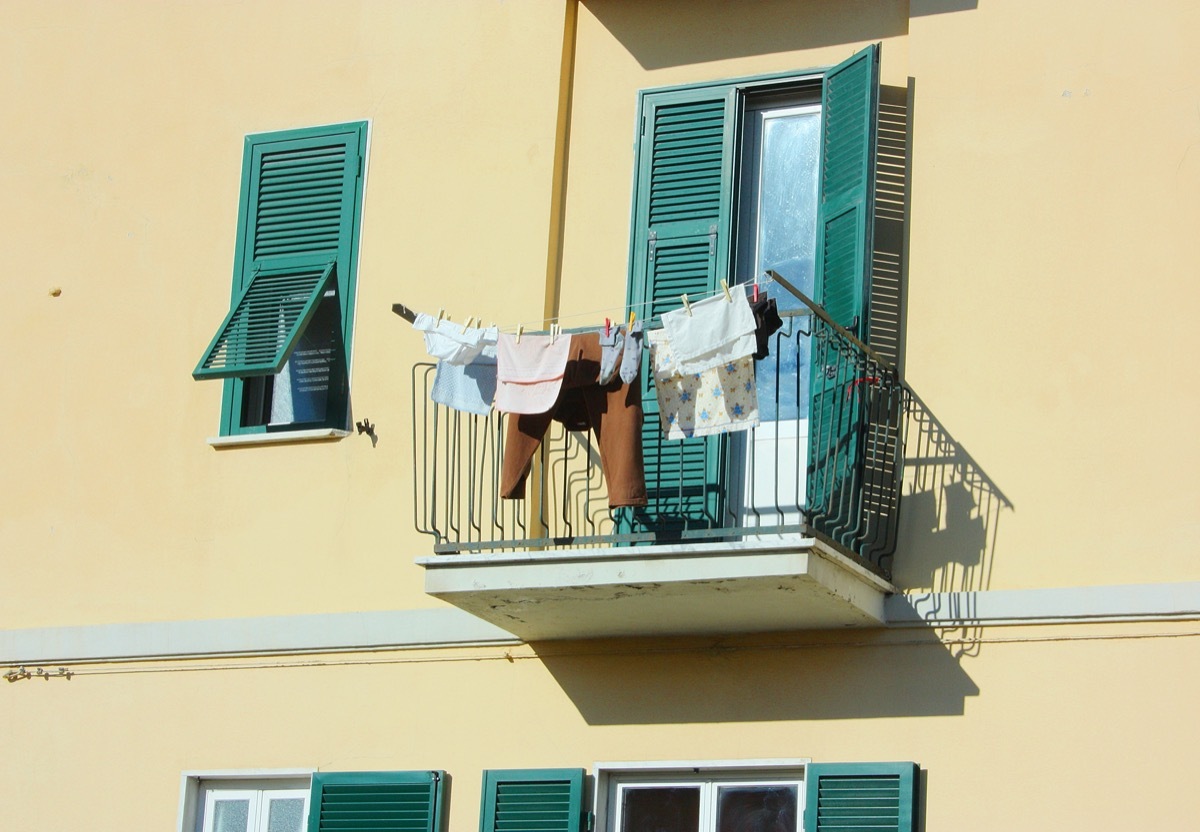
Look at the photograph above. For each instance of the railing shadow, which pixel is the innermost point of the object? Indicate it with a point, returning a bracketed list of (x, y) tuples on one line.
[(949, 523)]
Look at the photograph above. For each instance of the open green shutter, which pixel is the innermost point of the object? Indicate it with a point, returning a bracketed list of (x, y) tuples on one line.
[(849, 113), (681, 239), (864, 797), (265, 324), (297, 217), (532, 800), (377, 801)]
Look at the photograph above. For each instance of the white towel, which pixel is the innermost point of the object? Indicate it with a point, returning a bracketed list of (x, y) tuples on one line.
[(716, 332)]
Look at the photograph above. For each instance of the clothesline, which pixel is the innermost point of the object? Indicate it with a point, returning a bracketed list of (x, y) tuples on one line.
[(616, 313)]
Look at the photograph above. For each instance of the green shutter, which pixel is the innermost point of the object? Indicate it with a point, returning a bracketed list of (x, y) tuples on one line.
[(681, 245), (299, 210), (849, 114), (265, 324), (532, 800), (377, 801), (864, 797)]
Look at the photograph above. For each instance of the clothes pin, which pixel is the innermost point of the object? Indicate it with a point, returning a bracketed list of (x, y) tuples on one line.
[(756, 288), (632, 318), (607, 326), (686, 305), (725, 289), (441, 314), (520, 329)]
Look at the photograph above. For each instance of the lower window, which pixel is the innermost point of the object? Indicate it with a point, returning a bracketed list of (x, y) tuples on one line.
[(252, 806), (698, 800)]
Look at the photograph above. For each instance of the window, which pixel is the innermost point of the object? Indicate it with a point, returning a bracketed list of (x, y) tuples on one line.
[(759, 797), (283, 349), (231, 802), (253, 806), (733, 178)]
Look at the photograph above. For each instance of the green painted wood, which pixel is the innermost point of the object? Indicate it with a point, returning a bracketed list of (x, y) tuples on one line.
[(262, 329), (866, 797), (850, 104), (301, 201), (532, 800), (377, 801), (680, 245)]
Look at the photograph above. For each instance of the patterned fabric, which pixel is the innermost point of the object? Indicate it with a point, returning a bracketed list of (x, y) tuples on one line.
[(719, 400)]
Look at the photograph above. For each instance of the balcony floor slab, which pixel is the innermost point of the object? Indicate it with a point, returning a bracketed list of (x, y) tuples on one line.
[(769, 585)]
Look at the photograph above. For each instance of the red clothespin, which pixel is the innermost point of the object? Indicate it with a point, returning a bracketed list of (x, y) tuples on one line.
[(607, 324), (756, 288)]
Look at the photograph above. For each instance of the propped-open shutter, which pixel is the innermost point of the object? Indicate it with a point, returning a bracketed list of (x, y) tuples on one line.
[(297, 217), (266, 322), (864, 797), (377, 801), (850, 104), (681, 246), (533, 800)]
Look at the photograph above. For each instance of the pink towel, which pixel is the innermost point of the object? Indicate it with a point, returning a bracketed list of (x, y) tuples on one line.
[(530, 374)]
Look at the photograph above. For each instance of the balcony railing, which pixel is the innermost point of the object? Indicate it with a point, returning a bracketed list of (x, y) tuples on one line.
[(825, 461)]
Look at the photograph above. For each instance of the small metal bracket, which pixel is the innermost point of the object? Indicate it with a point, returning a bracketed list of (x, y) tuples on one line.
[(712, 239), (653, 244)]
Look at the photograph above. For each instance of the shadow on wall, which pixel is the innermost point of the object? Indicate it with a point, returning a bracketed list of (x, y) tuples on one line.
[(950, 513), (797, 677), (713, 30)]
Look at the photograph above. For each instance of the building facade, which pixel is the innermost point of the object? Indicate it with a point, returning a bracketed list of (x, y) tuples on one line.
[(266, 583)]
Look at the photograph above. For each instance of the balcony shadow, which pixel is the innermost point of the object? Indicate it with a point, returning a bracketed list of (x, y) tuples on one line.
[(713, 30), (817, 675), (949, 520)]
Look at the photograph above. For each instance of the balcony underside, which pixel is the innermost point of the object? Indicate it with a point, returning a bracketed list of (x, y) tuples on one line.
[(780, 584)]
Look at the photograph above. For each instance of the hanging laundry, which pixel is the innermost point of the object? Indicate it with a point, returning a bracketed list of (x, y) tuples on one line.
[(631, 361), (466, 372), (766, 323), (612, 346), (721, 399), (612, 411), (711, 332), (530, 372)]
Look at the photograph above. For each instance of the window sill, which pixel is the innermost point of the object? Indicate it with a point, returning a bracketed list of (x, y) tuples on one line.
[(283, 438)]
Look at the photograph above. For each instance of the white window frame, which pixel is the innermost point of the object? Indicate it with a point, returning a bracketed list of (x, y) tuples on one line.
[(195, 785), (610, 777)]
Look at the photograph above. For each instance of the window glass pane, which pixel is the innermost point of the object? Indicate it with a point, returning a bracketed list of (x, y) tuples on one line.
[(786, 242), (231, 816), (756, 809), (665, 809), (285, 815)]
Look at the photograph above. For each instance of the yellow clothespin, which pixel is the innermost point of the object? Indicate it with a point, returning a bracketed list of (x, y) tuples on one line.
[(441, 314), (520, 329), (687, 305), (725, 289), (632, 318)]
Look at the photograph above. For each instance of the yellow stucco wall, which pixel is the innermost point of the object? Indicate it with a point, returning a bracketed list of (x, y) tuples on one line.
[(1033, 728)]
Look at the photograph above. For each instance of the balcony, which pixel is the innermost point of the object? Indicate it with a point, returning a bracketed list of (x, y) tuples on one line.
[(789, 526)]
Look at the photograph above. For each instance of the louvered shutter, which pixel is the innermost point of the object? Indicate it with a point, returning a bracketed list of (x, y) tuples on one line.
[(864, 797), (297, 217), (377, 801), (532, 800), (681, 245), (849, 113)]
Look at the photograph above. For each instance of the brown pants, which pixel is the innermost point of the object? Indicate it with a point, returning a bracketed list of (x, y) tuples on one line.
[(613, 412)]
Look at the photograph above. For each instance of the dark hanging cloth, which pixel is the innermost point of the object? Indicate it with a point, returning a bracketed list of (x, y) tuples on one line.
[(766, 323)]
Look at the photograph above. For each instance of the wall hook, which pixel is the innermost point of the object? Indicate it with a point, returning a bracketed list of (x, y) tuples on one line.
[(366, 427)]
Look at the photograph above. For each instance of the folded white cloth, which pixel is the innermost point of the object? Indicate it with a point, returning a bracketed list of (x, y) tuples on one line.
[(716, 332)]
